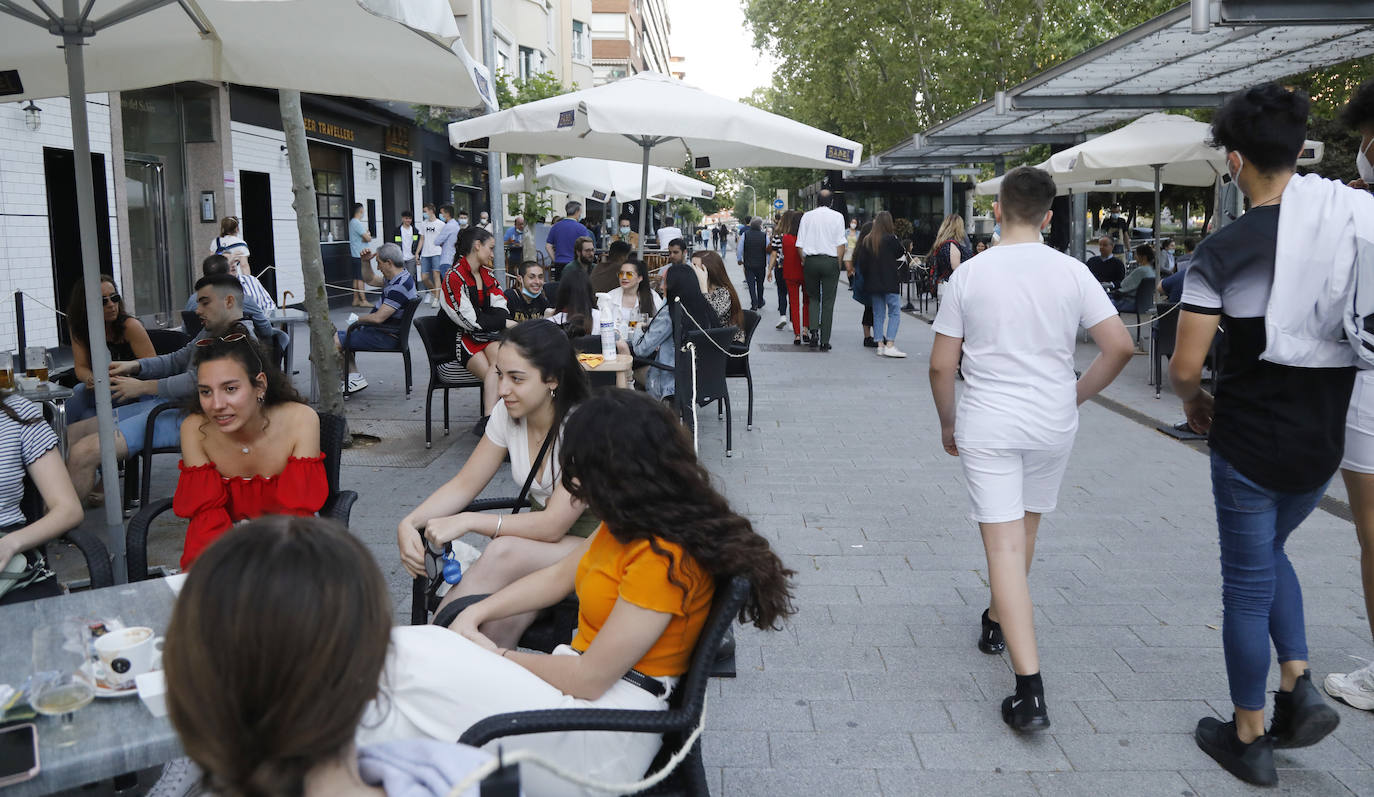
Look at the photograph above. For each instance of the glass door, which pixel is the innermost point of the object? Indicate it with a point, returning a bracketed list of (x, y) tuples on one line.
[(148, 247)]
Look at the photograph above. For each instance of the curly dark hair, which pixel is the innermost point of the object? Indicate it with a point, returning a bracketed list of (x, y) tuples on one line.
[(249, 354), (1266, 124), (619, 438), (1360, 110)]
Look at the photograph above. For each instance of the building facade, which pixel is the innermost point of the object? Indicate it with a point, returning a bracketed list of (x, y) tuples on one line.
[(629, 37), (534, 36)]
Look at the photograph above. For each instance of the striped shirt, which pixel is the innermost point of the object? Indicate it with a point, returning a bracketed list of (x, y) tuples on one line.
[(21, 445), (398, 291), (256, 291)]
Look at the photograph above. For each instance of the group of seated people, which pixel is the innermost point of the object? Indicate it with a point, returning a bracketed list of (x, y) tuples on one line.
[(277, 606)]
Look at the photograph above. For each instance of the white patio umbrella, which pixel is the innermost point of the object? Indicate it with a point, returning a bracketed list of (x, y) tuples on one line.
[(287, 44), (658, 120), (1071, 186), (590, 176)]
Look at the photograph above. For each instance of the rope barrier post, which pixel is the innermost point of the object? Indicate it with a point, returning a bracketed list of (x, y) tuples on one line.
[(19, 326)]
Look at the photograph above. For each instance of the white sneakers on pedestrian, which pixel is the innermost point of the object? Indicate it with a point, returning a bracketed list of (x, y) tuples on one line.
[(1355, 688), (890, 350), (782, 322), (433, 300), (356, 382)]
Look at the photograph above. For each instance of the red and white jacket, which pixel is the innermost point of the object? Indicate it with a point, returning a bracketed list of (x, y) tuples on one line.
[(474, 302)]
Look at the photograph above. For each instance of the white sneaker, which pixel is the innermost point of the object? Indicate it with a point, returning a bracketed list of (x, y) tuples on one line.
[(782, 322), (433, 300), (881, 351), (891, 350), (1356, 688), (356, 382)]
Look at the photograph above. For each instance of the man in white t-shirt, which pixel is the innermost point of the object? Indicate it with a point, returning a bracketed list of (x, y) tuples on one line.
[(1013, 313), (431, 262), (666, 235), (821, 243)]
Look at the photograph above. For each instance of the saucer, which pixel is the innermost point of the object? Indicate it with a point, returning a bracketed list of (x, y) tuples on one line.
[(95, 672)]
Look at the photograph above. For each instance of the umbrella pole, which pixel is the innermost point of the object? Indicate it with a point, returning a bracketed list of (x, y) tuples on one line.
[(644, 199), (1158, 167), (72, 42)]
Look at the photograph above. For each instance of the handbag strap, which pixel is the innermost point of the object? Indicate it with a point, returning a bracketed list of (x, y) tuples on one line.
[(534, 469)]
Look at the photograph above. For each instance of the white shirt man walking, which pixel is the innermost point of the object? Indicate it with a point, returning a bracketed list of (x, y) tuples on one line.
[(821, 243)]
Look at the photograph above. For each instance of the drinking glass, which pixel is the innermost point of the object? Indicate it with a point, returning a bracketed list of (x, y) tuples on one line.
[(6, 371), (36, 362), (63, 688)]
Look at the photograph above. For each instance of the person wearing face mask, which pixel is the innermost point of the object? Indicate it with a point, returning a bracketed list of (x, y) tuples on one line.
[(530, 301), (1357, 467), (448, 246), (1275, 426), (1115, 227), (484, 221), (462, 220), (431, 253), (627, 234)]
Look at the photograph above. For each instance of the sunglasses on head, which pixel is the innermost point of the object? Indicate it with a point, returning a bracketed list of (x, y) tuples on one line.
[(113, 298), (234, 338)]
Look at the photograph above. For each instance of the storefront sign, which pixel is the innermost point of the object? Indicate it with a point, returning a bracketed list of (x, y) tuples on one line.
[(397, 140), (329, 130)]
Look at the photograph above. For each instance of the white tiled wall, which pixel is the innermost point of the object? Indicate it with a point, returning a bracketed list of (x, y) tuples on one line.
[(259, 149), (25, 251), (366, 187)]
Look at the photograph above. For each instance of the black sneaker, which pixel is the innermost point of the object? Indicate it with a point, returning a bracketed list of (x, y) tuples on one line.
[(870, 343), (991, 641), (813, 341), (1301, 717), (1026, 714), (1252, 763), (825, 347)]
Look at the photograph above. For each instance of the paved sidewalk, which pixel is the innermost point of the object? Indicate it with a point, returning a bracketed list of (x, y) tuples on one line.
[(875, 686)]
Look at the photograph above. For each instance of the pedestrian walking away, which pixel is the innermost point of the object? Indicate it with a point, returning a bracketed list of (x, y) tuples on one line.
[(878, 260), (1357, 468), (1275, 426), (821, 243), (432, 264), (754, 249), (1013, 314)]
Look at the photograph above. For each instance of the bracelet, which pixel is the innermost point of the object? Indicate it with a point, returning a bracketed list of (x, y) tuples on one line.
[(499, 520)]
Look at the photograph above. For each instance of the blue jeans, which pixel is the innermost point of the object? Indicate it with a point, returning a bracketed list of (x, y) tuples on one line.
[(82, 403), (132, 422), (887, 315), (1260, 595)]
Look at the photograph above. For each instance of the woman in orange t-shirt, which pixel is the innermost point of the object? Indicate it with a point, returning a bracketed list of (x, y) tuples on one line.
[(644, 581)]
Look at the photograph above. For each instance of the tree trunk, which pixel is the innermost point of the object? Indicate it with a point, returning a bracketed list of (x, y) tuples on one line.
[(322, 332)]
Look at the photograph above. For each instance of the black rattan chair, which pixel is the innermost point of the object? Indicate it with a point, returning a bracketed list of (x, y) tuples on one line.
[(401, 345), (97, 556), (438, 334), (738, 367), (707, 380), (676, 724), (338, 506)]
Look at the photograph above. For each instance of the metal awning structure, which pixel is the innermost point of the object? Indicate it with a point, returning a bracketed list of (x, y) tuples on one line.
[(1158, 65)]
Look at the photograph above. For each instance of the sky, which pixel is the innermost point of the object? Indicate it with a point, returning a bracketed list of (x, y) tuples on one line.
[(719, 50)]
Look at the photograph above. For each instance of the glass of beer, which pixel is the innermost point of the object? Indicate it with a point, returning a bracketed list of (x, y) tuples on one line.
[(36, 362), (6, 371)]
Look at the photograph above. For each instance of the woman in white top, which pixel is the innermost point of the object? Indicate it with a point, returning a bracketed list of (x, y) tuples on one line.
[(634, 297), (539, 383), (235, 249)]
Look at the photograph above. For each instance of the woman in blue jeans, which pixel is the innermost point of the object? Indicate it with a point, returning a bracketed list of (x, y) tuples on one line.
[(1276, 427), (878, 259)]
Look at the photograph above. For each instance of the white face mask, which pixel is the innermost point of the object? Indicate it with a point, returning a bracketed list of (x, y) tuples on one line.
[(462, 222), (1235, 176), (624, 230), (1365, 168)]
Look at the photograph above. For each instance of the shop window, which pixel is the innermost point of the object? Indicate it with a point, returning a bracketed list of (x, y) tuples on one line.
[(579, 41), (331, 192)]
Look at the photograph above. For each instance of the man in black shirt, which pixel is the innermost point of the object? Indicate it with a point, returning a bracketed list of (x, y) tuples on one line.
[(529, 301), (1276, 432), (755, 261), (1105, 266)]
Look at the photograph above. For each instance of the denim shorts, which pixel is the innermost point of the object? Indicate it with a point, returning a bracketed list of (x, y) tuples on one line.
[(132, 422), (432, 264)]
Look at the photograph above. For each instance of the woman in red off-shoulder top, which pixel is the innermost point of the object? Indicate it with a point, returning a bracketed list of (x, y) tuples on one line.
[(250, 446)]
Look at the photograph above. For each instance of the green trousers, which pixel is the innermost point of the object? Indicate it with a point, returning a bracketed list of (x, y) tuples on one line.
[(822, 275)]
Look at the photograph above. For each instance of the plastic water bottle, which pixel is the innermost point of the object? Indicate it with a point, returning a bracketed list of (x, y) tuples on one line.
[(607, 314)]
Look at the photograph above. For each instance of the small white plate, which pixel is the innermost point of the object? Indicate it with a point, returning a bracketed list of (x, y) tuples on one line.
[(103, 691)]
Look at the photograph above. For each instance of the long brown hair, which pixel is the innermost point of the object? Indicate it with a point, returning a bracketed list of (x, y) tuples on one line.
[(791, 223), (621, 437), (76, 314), (951, 229), (717, 278), (276, 646), (882, 228)]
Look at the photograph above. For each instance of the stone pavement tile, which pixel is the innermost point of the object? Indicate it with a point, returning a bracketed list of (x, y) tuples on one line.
[(795, 780), (926, 783), (894, 615), (906, 577), (859, 635), (1341, 640), (1059, 687), (1356, 732), (1168, 660), (736, 749), (1096, 614), (941, 563), (914, 549), (1190, 685), (985, 716), (1146, 716), (1329, 753), (1061, 659), (1170, 636), (815, 686), (815, 576), (847, 749), (880, 716), (1360, 781), (934, 594), (1041, 594), (808, 594), (966, 659), (1050, 636), (1134, 751), (1003, 751), (1102, 594), (944, 637), (1217, 782), (914, 686), (742, 713), (877, 562), (1096, 784), (828, 656)]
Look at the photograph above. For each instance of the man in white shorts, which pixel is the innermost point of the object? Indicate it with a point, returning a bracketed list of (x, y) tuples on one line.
[(1013, 313)]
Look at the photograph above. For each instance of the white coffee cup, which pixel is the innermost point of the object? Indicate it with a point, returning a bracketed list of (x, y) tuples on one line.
[(128, 653)]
